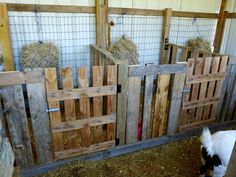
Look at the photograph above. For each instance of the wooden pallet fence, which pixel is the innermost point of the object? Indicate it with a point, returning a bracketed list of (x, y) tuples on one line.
[(204, 81), (91, 120), (16, 117)]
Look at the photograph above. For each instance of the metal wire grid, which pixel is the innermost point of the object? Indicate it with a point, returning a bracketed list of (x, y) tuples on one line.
[(182, 29), (71, 33), (145, 31)]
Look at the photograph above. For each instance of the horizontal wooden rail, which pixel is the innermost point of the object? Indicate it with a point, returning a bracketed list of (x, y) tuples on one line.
[(17, 78), (62, 95), (50, 8), (112, 10), (139, 71), (84, 150), (83, 123), (204, 78), (198, 103), (196, 124), (106, 54), (231, 15)]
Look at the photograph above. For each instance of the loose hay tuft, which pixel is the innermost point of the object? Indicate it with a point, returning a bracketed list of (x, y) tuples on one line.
[(43, 55), (125, 49), (199, 44)]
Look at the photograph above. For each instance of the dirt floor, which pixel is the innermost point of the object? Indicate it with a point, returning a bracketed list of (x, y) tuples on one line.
[(178, 159)]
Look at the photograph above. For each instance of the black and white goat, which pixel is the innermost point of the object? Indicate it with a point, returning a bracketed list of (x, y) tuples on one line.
[(216, 151)]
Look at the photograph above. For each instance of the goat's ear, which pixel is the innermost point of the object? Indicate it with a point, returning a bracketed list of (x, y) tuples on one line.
[(216, 160)]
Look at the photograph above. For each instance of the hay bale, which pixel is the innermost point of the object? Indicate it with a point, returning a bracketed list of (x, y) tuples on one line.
[(125, 49), (43, 55), (199, 44)]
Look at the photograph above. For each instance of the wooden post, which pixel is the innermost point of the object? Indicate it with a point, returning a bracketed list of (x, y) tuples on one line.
[(165, 36), (102, 23), (5, 39), (220, 26), (231, 170)]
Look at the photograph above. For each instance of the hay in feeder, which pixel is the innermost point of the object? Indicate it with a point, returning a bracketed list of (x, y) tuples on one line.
[(125, 49), (43, 55), (199, 44)]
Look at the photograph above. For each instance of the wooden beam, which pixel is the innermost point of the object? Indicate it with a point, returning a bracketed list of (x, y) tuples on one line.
[(202, 102), (18, 78), (132, 11), (5, 39), (102, 23), (137, 70), (205, 78), (165, 36), (50, 8), (194, 14), (231, 15), (220, 27), (231, 170)]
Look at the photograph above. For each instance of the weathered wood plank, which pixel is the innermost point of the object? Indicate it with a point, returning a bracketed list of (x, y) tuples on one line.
[(17, 78), (174, 54), (147, 106), (196, 124), (98, 103), (186, 94), (122, 100), (205, 78), (83, 123), (85, 150), (140, 71), (69, 106), (184, 54), (84, 106), (218, 87), (202, 102), (161, 105), (232, 105), (133, 109), (211, 87), (55, 117), (13, 101), (203, 87), (195, 87), (81, 93), (175, 105), (40, 120), (111, 100)]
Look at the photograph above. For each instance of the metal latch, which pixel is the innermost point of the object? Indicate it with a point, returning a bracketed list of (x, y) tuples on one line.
[(52, 110), (118, 88), (186, 91), (166, 46)]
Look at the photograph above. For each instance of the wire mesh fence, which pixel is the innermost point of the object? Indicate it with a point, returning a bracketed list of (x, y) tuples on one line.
[(182, 29), (71, 33), (144, 31)]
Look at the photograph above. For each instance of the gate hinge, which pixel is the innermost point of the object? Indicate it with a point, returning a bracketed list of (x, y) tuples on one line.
[(118, 88), (117, 141)]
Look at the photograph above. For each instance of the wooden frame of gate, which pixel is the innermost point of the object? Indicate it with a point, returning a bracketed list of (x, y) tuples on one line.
[(202, 90)]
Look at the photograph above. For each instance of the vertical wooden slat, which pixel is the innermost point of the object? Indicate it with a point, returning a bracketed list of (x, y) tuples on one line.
[(218, 88), (184, 54), (69, 106), (175, 105), (40, 120), (98, 103), (13, 100), (174, 54), (186, 93), (55, 117), (164, 58), (147, 106), (5, 39), (161, 104), (203, 87), (232, 105), (122, 102), (133, 109), (84, 106), (195, 87), (231, 170), (111, 100), (211, 87)]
